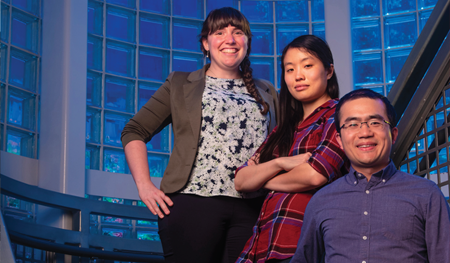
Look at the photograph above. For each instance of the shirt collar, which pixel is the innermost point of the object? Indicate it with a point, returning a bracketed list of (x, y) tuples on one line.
[(354, 178)]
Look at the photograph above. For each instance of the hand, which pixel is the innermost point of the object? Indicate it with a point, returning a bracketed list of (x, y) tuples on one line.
[(254, 160), (288, 163), (152, 197)]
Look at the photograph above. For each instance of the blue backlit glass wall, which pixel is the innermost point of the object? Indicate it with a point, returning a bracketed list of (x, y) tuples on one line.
[(383, 34), (134, 44), (19, 76)]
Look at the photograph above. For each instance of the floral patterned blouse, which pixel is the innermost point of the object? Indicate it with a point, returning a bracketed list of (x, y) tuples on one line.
[(232, 130)]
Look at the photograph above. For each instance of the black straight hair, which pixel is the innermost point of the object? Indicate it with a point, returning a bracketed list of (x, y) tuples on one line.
[(290, 109)]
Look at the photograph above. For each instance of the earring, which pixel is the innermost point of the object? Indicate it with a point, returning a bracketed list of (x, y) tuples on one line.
[(207, 53)]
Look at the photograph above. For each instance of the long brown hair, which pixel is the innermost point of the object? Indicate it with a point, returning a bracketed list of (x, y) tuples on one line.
[(221, 18), (291, 110)]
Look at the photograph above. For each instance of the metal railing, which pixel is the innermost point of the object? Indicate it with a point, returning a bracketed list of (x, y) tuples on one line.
[(78, 241)]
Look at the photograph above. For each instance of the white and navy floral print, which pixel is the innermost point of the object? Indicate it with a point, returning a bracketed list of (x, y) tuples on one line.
[(232, 130)]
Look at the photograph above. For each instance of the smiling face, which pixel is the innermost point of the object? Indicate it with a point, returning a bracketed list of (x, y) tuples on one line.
[(367, 149), (227, 47), (306, 77)]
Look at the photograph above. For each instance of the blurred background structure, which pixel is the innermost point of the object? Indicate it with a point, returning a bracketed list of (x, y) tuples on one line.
[(73, 72)]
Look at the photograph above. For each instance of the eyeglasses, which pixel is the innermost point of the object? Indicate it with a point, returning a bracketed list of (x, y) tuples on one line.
[(372, 124)]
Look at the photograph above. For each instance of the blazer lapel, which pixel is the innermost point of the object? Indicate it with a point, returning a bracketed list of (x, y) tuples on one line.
[(193, 94)]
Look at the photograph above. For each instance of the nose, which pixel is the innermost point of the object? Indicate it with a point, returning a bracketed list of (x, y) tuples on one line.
[(230, 38), (364, 130), (299, 75)]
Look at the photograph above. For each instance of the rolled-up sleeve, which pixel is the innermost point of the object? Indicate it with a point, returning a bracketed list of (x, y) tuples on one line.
[(328, 157), (151, 118)]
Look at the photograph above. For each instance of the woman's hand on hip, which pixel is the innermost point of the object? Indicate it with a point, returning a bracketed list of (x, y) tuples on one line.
[(155, 200)]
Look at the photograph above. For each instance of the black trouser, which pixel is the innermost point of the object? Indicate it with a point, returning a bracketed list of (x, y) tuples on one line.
[(207, 229)]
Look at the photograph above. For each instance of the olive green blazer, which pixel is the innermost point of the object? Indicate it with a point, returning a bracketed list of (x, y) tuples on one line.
[(179, 101)]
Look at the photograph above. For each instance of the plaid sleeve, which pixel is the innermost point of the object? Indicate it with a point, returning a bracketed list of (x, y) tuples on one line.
[(328, 157), (257, 151)]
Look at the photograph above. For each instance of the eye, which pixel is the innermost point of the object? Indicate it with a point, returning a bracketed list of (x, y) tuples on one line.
[(352, 125), (308, 66), (289, 70), (375, 123), (239, 33)]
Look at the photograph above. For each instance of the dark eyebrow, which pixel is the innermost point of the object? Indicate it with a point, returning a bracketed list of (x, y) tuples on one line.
[(371, 117)]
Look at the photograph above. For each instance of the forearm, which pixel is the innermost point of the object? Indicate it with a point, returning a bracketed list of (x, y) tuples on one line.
[(302, 178), (136, 155), (253, 177)]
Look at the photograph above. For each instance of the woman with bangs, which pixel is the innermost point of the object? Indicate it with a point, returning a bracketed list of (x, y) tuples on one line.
[(300, 155), (219, 114)]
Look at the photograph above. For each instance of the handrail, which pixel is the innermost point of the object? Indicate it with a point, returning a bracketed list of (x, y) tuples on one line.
[(78, 240), (420, 57)]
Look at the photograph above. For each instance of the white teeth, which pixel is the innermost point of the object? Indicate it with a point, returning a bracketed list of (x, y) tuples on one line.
[(229, 51), (365, 146)]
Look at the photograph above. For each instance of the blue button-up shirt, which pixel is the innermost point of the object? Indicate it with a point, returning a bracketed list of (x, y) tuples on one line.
[(393, 217)]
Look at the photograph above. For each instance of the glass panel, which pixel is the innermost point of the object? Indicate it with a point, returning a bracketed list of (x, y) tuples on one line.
[(433, 177), (22, 70), (112, 232), (413, 167), (114, 161), (443, 156), (431, 160), (160, 141), (394, 62), (365, 8), (188, 8), (423, 18), (404, 168), (24, 30), (262, 40), (257, 11), (113, 126), (5, 23), (366, 34), (388, 89), (447, 96), (2, 105), (286, 33), (427, 3), (317, 10), (263, 68), (153, 64), (126, 3), (93, 125), (154, 30), (279, 71), (94, 89), (431, 141), (412, 151), (3, 58), (95, 18), (120, 58), (421, 146), (94, 52), (443, 174), (148, 235), (21, 108), (378, 89), (92, 157), (367, 67), (400, 30), (430, 124), (186, 62), (31, 6), (119, 94), (319, 30), (398, 6), (1, 136), (291, 11), (157, 164), (19, 142), (440, 118), (185, 34), (156, 6), (120, 24), (214, 4)]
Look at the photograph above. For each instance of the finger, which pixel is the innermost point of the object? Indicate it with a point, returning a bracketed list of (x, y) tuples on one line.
[(168, 200), (162, 206)]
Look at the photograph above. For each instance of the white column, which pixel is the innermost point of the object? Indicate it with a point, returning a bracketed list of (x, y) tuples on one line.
[(63, 96), (339, 37)]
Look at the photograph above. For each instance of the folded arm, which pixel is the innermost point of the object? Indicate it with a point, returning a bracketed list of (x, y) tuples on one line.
[(253, 177)]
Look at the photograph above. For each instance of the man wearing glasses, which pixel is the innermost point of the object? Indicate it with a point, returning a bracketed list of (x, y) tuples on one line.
[(375, 213)]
